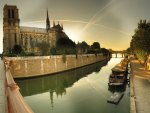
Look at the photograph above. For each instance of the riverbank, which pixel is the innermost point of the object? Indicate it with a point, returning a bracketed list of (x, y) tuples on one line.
[(24, 67), (140, 88)]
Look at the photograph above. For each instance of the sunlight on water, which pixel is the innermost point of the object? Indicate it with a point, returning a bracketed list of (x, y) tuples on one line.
[(83, 90)]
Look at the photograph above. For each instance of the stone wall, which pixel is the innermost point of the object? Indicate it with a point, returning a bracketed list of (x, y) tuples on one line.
[(22, 67)]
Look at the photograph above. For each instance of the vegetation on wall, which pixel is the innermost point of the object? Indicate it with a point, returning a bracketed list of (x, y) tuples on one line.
[(44, 47), (64, 58), (17, 49)]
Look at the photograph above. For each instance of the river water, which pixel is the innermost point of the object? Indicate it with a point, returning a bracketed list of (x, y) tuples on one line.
[(84, 90)]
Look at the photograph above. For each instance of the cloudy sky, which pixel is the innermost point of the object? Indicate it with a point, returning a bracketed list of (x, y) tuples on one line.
[(110, 22)]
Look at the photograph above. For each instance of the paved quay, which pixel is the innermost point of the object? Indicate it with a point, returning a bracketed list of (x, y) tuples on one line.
[(140, 82), (2, 88)]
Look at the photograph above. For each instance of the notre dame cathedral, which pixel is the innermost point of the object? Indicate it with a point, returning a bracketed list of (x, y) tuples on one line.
[(27, 37)]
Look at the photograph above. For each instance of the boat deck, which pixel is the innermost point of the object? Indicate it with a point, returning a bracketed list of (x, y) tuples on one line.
[(115, 98)]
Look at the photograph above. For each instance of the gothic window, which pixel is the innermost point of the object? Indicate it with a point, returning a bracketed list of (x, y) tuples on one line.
[(12, 12), (15, 39), (21, 41), (9, 13), (26, 41)]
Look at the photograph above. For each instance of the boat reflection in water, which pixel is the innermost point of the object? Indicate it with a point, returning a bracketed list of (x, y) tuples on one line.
[(83, 90), (118, 88), (58, 82)]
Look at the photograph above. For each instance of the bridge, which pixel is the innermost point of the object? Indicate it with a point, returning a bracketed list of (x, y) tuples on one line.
[(123, 52)]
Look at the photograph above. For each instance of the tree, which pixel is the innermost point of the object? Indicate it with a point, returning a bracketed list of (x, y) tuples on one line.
[(95, 48), (105, 51), (128, 50), (65, 46), (1, 55), (65, 43), (17, 49), (44, 47), (82, 47), (53, 51), (140, 43)]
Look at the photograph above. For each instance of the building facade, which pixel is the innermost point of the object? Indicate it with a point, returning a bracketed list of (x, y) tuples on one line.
[(27, 37)]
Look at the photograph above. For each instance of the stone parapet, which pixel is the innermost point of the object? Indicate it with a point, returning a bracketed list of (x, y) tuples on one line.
[(22, 67)]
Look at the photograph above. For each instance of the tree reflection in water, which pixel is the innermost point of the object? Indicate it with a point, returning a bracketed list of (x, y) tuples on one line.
[(58, 82)]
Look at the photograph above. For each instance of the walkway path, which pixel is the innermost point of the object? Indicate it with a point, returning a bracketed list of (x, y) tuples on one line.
[(141, 83), (2, 90)]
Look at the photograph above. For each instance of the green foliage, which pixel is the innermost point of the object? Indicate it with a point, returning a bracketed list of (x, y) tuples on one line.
[(82, 47), (44, 47), (64, 58), (141, 54), (1, 55), (53, 51), (128, 51), (65, 43), (76, 56), (105, 51), (29, 54), (140, 43), (17, 49), (65, 46), (95, 48)]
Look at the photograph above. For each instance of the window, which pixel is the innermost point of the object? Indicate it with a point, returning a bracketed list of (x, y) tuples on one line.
[(15, 39), (9, 13), (12, 12)]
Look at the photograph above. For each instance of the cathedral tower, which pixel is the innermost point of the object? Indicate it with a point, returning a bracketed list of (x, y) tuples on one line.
[(47, 22), (10, 27)]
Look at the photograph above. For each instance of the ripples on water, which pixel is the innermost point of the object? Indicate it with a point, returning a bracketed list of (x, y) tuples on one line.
[(84, 90)]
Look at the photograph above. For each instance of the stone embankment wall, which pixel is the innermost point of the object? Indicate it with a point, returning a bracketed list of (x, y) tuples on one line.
[(22, 67)]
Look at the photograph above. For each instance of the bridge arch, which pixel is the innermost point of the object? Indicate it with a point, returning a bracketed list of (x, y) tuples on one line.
[(123, 53)]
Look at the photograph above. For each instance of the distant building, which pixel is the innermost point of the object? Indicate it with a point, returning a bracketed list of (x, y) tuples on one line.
[(27, 37)]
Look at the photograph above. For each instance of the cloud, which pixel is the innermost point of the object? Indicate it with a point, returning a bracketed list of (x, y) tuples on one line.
[(82, 22), (94, 17)]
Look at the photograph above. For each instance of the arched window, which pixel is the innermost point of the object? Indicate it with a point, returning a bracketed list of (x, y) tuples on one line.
[(12, 12), (15, 39), (9, 13)]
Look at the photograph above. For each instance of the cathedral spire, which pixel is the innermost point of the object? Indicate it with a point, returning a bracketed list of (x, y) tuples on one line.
[(62, 26), (47, 22)]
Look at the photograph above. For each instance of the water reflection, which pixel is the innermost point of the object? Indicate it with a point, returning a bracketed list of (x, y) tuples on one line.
[(84, 90), (57, 83)]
